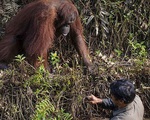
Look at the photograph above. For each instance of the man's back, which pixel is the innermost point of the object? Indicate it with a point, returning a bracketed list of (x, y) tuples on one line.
[(133, 111)]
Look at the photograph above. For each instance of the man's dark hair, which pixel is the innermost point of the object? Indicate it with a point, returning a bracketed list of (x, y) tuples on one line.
[(123, 90)]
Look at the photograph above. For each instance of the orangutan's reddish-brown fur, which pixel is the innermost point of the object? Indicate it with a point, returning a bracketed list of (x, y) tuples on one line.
[(32, 31)]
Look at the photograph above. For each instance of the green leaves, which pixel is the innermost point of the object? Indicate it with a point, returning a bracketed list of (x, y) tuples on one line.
[(138, 49), (54, 58), (45, 110), (19, 58)]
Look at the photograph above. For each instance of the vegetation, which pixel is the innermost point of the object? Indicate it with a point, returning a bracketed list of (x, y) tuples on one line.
[(118, 36)]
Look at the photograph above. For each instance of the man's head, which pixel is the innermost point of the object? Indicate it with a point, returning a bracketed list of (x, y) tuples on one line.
[(122, 91)]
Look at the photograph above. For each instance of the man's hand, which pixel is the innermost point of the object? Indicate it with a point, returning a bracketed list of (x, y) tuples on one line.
[(94, 100)]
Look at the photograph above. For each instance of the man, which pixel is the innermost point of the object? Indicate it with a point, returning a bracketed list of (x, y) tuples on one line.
[(124, 102)]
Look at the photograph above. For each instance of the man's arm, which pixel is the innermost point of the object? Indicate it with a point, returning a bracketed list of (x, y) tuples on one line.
[(107, 104), (104, 103)]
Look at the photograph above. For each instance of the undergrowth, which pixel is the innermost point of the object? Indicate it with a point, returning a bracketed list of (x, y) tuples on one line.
[(29, 94)]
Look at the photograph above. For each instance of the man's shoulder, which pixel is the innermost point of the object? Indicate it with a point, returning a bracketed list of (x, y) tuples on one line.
[(138, 105), (137, 99), (133, 111)]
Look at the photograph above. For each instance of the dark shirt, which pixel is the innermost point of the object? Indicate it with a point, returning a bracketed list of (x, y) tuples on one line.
[(133, 111)]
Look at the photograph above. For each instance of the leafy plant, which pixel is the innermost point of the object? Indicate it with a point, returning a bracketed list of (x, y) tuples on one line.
[(54, 59), (39, 79), (119, 52), (45, 110), (40, 60), (138, 49), (19, 58)]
